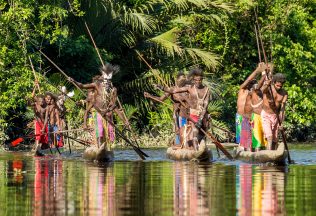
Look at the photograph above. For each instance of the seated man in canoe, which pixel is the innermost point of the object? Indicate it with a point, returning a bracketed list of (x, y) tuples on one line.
[(247, 99), (180, 112), (274, 101), (198, 100)]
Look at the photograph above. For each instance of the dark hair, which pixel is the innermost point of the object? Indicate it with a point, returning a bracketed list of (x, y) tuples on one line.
[(180, 74), (196, 72), (279, 77), (51, 95), (40, 96)]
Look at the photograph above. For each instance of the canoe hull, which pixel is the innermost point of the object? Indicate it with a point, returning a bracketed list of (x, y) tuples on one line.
[(52, 150), (277, 156), (93, 153), (202, 155)]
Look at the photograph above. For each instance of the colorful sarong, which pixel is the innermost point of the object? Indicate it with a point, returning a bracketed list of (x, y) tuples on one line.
[(238, 127), (182, 121), (270, 125), (258, 139), (58, 137), (42, 138), (245, 138), (103, 129), (110, 130), (98, 125)]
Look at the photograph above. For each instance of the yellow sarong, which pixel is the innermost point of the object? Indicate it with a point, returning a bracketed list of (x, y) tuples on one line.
[(258, 139)]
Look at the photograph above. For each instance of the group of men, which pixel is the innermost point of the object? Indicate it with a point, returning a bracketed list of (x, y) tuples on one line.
[(101, 102), (49, 120), (190, 99), (260, 109)]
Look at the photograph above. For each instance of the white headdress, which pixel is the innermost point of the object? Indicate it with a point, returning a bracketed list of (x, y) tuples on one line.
[(108, 70)]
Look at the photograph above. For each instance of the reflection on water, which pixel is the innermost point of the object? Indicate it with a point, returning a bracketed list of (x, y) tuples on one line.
[(38, 186), (260, 190)]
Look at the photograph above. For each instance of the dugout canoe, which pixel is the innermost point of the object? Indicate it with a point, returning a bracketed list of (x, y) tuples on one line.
[(277, 156), (102, 154), (202, 155), (52, 151)]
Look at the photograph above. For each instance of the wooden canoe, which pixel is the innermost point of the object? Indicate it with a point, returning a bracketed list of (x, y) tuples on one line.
[(102, 154), (203, 154), (277, 156), (52, 151)]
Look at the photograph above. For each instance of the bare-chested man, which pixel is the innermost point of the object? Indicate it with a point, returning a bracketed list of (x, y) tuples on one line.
[(52, 120), (39, 107), (105, 100), (90, 100), (180, 112), (244, 108), (273, 105), (198, 100)]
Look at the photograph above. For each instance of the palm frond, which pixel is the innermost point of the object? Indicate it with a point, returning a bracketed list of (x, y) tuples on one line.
[(220, 130), (139, 22), (228, 7), (167, 42), (129, 39), (214, 108), (209, 59)]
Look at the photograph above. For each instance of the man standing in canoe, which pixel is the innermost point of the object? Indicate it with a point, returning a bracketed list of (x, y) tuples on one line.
[(105, 98), (258, 140), (39, 107), (274, 101), (52, 120), (180, 112), (244, 108), (198, 100)]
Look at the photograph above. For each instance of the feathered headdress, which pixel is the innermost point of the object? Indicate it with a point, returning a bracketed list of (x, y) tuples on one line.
[(108, 70)]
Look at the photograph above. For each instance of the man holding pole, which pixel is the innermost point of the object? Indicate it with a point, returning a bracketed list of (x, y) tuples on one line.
[(274, 101), (180, 112), (105, 100), (198, 100)]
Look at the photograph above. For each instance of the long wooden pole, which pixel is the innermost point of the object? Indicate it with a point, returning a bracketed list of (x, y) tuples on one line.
[(94, 44), (60, 70), (271, 93), (34, 73), (258, 44)]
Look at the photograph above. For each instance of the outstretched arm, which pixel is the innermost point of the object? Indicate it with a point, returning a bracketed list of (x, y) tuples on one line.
[(172, 90), (84, 86), (261, 67), (161, 98)]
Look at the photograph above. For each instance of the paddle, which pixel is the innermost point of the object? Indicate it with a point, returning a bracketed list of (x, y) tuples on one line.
[(140, 153), (21, 139), (271, 93)]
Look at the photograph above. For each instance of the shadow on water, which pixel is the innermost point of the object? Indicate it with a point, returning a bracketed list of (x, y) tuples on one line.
[(70, 186)]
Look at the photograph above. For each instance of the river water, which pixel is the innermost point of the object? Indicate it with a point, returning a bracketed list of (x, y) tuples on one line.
[(68, 185)]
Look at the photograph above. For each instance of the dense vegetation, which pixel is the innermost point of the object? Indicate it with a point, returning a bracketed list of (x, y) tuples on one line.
[(217, 36)]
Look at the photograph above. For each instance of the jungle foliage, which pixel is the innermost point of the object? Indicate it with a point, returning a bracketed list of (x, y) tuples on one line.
[(152, 40)]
